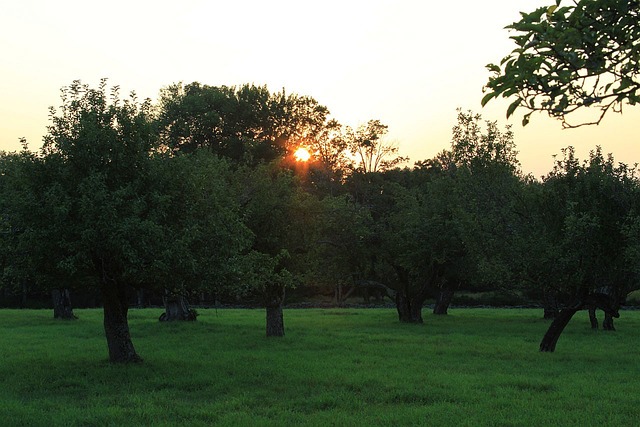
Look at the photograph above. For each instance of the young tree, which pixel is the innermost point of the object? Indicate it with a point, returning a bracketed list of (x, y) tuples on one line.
[(569, 57), (279, 213)]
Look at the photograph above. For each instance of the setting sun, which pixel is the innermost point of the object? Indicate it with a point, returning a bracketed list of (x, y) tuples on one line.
[(302, 154)]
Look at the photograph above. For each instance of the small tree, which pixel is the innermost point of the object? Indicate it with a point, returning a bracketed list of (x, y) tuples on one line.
[(277, 211)]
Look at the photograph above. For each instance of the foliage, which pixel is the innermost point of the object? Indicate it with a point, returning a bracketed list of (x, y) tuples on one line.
[(280, 216), (98, 151), (570, 57), (341, 255), (480, 183), (246, 123), (586, 209), (194, 203)]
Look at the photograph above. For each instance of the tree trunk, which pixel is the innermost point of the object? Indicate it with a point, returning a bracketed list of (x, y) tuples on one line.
[(607, 324), (140, 298), (550, 304), (409, 308), (443, 300), (275, 321), (592, 318), (176, 307), (337, 296), (62, 308), (116, 325), (592, 302), (275, 316), (557, 326)]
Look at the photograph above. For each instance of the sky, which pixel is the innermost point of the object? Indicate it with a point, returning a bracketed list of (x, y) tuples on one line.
[(408, 63)]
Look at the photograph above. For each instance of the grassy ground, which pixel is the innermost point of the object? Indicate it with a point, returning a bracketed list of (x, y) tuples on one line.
[(334, 367)]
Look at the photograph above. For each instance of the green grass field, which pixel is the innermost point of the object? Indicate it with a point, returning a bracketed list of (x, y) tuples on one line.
[(341, 367)]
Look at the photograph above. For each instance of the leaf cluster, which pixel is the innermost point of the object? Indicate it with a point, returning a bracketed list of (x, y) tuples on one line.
[(571, 57)]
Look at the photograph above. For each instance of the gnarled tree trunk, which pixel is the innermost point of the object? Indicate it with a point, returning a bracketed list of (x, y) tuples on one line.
[(409, 308), (116, 325), (176, 307), (409, 304), (62, 308), (591, 301), (443, 300), (550, 339), (275, 316)]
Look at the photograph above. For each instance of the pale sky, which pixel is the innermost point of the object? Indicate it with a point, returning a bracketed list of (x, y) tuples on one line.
[(408, 63)]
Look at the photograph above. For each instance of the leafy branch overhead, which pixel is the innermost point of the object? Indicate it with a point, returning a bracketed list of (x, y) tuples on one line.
[(569, 57)]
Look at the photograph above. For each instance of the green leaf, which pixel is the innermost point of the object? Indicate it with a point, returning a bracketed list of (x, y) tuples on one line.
[(512, 107), (493, 68), (525, 119), (487, 98)]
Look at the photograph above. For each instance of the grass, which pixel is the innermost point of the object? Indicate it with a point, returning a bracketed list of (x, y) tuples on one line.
[(335, 367)]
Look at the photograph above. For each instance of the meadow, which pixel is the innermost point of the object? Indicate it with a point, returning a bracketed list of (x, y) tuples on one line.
[(355, 367)]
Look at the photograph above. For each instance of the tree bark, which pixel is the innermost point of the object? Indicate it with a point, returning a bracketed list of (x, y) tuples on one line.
[(62, 308), (275, 316), (443, 300), (592, 318), (409, 308), (591, 301), (177, 308), (555, 329), (550, 304), (140, 298), (607, 324), (116, 325), (337, 296)]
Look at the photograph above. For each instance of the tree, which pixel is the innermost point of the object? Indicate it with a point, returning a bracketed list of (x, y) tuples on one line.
[(571, 57), (479, 182), (278, 212), (590, 210), (372, 152), (98, 148), (420, 242)]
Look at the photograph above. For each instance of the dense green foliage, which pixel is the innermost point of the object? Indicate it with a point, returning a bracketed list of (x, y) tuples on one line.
[(570, 57), (337, 367), (200, 196)]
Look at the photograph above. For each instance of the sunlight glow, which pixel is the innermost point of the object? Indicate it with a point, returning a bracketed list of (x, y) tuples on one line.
[(302, 154)]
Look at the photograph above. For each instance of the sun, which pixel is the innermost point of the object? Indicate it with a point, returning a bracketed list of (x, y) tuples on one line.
[(302, 154)]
